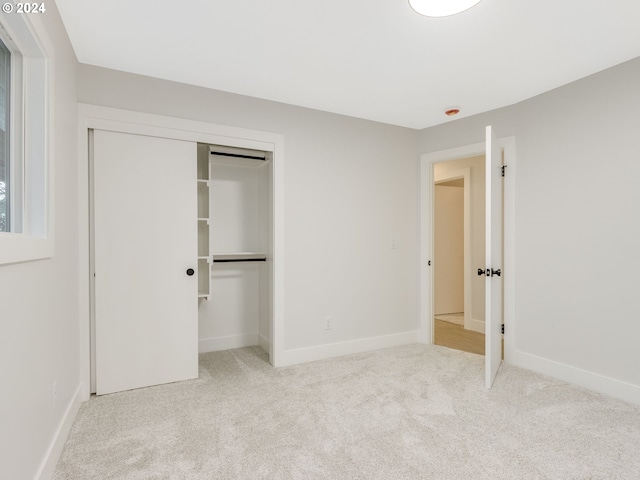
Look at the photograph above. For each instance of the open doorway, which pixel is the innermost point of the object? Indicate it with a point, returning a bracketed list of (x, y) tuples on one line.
[(496, 269), (458, 245)]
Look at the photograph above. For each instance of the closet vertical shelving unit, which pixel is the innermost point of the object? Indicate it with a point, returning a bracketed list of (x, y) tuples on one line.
[(236, 246), (209, 155), (204, 224)]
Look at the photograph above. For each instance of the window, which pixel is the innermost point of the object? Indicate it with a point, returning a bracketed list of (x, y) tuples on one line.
[(25, 157), (5, 115)]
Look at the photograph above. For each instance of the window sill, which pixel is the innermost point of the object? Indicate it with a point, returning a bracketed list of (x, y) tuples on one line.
[(15, 247)]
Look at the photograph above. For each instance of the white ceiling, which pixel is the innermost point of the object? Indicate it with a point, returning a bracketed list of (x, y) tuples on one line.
[(377, 60)]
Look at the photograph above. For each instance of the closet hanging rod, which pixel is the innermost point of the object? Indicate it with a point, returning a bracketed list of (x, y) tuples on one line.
[(228, 260), (238, 155)]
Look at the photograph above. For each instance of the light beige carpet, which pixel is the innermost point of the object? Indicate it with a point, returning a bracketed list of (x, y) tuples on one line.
[(412, 412), (457, 318)]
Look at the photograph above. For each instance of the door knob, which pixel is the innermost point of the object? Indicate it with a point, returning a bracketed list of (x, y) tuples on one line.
[(190, 271), (490, 272)]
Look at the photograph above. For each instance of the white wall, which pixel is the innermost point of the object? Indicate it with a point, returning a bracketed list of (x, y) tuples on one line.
[(577, 229), (448, 265), (39, 300), (350, 187)]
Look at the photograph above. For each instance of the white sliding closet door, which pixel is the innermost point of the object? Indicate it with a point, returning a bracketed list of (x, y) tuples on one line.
[(145, 240)]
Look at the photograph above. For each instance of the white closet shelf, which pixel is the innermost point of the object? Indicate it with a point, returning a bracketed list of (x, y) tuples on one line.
[(204, 219), (240, 257), (203, 181)]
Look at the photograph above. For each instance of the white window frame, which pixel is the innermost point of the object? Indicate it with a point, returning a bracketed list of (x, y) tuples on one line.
[(31, 153)]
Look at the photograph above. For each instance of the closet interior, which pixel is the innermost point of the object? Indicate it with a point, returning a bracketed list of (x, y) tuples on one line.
[(235, 247)]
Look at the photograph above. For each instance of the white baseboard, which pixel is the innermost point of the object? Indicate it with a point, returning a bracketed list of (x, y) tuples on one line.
[(264, 343), (48, 465), (475, 325), (592, 381), (330, 350), (216, 344)]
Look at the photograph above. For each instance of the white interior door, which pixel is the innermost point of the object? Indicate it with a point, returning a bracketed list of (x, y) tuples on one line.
[(145, 239), (493, 260)]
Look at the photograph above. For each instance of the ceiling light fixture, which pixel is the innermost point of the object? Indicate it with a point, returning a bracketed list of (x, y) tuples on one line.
[(450, 112), (441, 8)]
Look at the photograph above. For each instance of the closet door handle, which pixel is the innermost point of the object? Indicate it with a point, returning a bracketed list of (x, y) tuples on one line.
[(190, 271)]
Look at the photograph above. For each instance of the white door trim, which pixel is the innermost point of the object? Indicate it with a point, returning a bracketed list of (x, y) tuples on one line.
[(97, 117), (427, 160)]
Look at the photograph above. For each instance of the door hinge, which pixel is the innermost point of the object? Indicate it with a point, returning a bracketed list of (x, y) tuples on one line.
[(502, 168), (502, 329)]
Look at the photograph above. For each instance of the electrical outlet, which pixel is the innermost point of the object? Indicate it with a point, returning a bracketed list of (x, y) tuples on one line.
[(54, 394), (328, 323), (394, 243)]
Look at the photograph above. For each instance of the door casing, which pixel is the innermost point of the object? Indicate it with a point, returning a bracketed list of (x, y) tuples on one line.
[(427, 161)]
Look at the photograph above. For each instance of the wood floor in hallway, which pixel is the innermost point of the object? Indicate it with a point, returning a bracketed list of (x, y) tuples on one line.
[(455, 336)]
